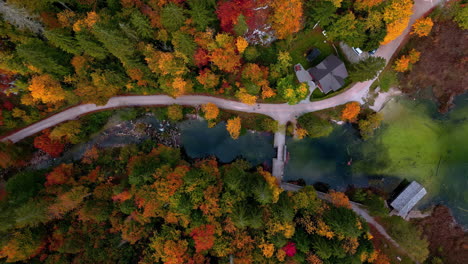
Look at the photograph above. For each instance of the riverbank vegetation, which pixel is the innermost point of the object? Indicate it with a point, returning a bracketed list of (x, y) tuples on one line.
[(148, 205), (437, 39), (319, 124)]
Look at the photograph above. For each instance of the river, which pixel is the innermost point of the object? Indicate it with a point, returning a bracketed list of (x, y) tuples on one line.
[(415, 142)]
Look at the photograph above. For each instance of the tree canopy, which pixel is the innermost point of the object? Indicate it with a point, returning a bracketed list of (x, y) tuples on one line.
[(163, 209)]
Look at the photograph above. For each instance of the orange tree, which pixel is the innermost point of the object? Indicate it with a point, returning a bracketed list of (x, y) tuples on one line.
[(422, 27), (397, 16), (233, 126), (286, 18), (351, 111), (211, 111)]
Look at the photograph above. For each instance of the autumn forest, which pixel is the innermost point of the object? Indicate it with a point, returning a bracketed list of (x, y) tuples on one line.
[(65, 199)]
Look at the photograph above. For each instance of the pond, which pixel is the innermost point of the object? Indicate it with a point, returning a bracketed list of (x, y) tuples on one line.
[(415, 142), (199, 141)]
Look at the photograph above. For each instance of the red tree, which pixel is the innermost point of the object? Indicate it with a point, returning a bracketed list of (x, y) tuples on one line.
[(229, 11), (59, 175), (8, 105), (201, 57), (290, 249), (52, 147), (203, 237)]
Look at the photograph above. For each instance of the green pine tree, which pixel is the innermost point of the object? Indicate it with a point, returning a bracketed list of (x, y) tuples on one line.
[(201, 13), (141, 24), (90, 45), (241, 26), (63, 40), (184, 43), (172, 17), (366, 69), (44, 57)]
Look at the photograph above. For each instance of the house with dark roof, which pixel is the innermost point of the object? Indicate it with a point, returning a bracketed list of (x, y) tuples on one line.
[(328, 75), (407, 199)]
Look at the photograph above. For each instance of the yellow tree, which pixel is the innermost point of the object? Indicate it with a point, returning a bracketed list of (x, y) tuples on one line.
[(339, 199), (245, 97), (336, 3), (241, 44), (68, 131), (211, 111), (208, 79), (46, 89), (402, 64), (180, 87), (233, 126), (267, 92), (350, 111), (267, 249), (174, 112), (422, 27), (397, 16), (405, 62), (286, 18), (414, 56), (301, 133), (365, 4)]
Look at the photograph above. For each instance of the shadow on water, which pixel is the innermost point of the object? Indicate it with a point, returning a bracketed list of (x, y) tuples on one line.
[(199, 141)]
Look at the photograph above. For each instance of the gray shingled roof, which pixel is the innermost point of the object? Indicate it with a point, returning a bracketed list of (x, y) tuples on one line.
[(330, 73), (301, 74), (408, 198)]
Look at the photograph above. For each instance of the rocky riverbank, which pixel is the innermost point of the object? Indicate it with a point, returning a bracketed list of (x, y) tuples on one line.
[(117, 133)]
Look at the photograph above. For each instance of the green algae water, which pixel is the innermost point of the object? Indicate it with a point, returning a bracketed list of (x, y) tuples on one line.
[(415, 142)]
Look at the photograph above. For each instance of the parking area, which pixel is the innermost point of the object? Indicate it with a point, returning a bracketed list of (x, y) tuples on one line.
[(351, 55)]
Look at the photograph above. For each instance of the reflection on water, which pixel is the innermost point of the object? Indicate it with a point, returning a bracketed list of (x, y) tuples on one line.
[(200, 141), (415, 142)]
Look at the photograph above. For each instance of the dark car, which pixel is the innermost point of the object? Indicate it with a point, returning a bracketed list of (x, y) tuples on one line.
[(372, 52)]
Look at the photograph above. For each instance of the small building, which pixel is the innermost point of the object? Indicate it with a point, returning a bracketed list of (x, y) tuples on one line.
[(330, 74), (304, 76), (312, 54), (408, 198)]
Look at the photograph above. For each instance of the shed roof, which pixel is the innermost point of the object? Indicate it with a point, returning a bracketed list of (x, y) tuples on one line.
[(408, 198), (330, 73), (313, 54), (301, 74)]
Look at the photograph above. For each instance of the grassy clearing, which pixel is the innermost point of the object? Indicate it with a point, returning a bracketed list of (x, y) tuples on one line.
[(305, 41), (387, 79)]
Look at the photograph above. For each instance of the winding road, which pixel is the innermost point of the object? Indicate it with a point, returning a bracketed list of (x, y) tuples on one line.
[(280, 112)]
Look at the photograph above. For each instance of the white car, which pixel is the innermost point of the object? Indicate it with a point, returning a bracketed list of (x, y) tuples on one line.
[(357, 50)]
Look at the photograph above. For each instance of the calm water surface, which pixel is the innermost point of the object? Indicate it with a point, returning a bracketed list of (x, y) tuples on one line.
[(199, 141), (414, 143)]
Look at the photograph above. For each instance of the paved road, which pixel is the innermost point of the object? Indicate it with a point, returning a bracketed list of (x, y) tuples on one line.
[(280, 112)]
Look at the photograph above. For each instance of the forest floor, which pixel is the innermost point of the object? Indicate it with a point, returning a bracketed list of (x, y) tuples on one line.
[(443, 64), (388, 248), (447, 240)]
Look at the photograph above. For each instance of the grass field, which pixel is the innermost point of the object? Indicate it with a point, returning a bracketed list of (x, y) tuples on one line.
[(305, 41)]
